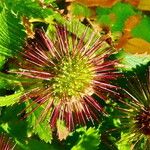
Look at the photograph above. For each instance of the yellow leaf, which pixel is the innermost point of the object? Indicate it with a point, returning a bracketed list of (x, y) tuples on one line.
[(137, 46), (144, 5)]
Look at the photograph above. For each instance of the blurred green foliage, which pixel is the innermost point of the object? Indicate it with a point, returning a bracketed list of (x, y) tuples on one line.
[(116, 16), (142, 29)]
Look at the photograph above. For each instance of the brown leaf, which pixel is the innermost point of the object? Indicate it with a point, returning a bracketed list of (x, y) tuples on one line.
[(137, 46)]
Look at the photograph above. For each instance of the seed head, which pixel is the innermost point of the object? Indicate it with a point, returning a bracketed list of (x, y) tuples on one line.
[(136, 112), (64, 72)]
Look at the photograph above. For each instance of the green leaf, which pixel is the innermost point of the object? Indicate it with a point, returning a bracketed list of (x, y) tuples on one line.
[(28, 8), (10, 99), (89, 140), (130, 61), (12, 34), (41, 128)]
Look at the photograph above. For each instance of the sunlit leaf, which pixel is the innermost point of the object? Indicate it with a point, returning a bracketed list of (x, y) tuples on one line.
[(130, 61)]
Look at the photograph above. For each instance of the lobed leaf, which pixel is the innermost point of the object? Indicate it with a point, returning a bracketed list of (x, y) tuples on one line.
[(130, 61)]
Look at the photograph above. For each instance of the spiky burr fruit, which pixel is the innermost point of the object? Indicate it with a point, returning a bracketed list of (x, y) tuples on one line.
[(135, 111), (64, 73)]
